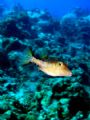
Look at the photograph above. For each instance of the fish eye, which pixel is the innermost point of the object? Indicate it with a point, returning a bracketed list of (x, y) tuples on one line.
[(59, 63)]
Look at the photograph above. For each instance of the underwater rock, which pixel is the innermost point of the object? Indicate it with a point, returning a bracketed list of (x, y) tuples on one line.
[(12, 44), (84, 28), (14, 25), (4, 61), (68, 25)]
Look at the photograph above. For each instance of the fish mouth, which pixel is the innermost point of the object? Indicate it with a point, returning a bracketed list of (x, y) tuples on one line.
[(70, 74)]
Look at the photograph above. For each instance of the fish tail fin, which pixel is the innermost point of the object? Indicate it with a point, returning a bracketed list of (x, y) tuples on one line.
[(26, 57)]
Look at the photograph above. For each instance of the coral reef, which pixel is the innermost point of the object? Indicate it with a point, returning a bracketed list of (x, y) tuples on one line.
[(27, 93)]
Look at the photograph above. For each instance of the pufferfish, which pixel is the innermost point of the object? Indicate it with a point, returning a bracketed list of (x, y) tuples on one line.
[(54, 69)]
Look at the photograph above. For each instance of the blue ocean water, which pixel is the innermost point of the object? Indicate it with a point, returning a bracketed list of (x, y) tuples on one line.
[(55, 7)]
